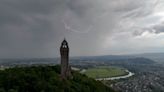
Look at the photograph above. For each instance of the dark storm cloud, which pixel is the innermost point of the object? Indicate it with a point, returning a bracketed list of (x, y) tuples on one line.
[(35, 28), (26, 27)]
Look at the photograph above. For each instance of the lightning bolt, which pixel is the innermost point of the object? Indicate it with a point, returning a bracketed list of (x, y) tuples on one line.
[(69, 28)]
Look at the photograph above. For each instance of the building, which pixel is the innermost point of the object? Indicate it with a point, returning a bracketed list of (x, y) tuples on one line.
[(65, 68)]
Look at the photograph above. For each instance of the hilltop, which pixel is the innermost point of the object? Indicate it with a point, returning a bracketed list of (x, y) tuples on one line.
[(46, 79)]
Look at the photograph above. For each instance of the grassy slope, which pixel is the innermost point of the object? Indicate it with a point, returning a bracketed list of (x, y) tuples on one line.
[(104, 72), (46, 79)]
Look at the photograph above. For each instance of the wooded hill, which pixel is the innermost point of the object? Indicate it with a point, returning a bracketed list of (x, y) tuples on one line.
[(46, 79)]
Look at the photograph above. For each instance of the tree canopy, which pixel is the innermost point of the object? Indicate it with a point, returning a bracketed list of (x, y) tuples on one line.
[(46, 79)]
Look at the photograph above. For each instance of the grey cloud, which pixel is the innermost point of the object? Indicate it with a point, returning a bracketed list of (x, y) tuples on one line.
[(35, 28), (159, 28), (26, 27)]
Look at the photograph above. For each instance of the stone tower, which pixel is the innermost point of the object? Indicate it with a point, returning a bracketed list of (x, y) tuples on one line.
[(65, 68)]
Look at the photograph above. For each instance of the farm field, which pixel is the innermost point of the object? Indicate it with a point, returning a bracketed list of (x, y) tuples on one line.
[(105, 72)]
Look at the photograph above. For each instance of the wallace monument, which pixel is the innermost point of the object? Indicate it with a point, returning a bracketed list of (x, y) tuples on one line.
[(65, 68)]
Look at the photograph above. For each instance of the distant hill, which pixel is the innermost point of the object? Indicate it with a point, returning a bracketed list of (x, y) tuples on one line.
[(46, 79), (158, 57), (117, 59)]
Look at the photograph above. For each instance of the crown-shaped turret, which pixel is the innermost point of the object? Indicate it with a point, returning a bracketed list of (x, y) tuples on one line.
[(64, 44)]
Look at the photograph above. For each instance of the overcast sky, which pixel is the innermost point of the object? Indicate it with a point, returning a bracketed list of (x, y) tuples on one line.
[(35, 28)]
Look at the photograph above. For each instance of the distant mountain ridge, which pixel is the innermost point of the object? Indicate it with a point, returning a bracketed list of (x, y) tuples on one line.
[(146, 57), (119, 59), (158, 57)]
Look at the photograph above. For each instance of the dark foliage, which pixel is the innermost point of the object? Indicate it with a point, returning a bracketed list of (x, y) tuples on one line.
[(46, 79)]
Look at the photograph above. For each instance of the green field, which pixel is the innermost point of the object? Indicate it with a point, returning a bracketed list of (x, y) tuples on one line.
[(104, 72)]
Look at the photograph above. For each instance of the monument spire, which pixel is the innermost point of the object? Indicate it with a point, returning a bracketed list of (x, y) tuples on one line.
[(64, 52)]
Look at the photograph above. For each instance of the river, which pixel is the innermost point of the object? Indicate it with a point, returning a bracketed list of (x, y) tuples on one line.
[(118, 77)]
